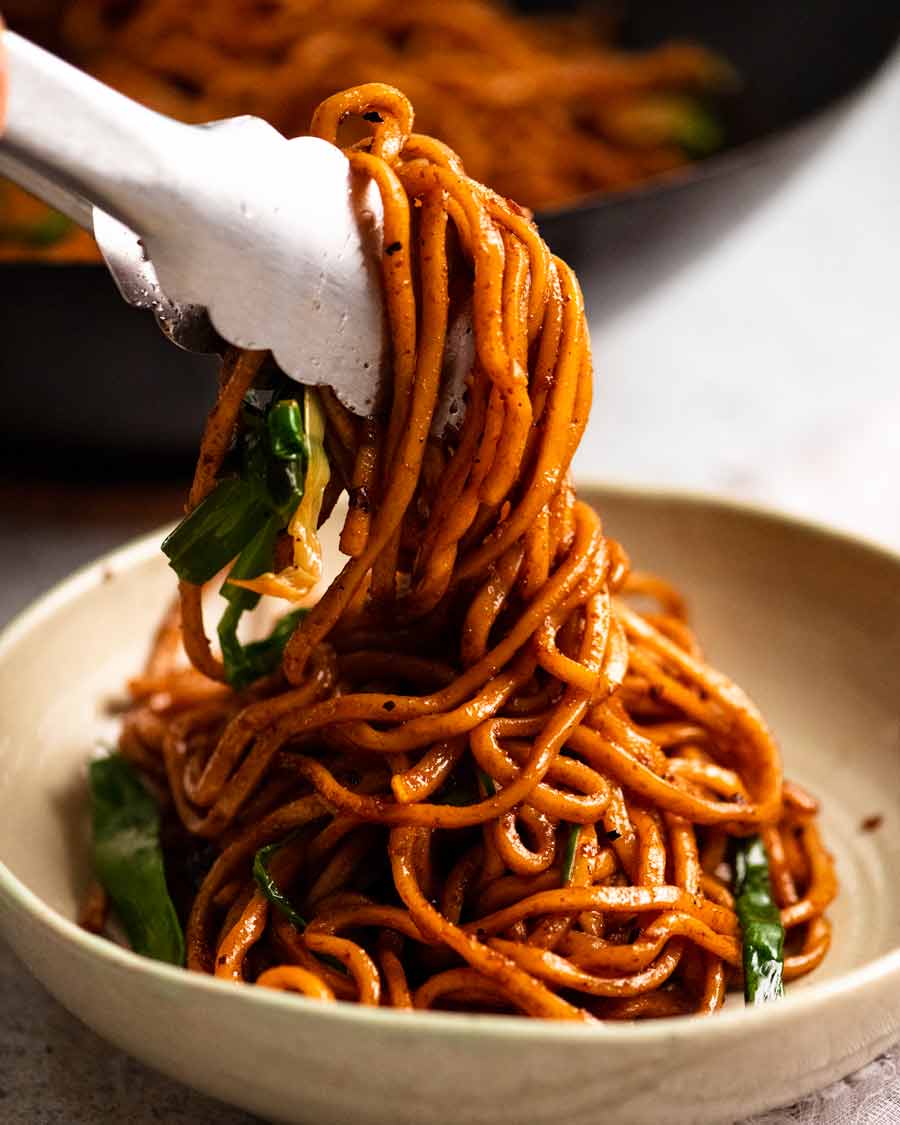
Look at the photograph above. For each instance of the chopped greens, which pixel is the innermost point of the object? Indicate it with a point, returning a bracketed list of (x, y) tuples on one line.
[(47, 231), (270, 888), (215, 531), (245, 663), (488, 782), (663, 118), (128, 860), (761, 928), (697, 130), (272, 459), (287, 438), (457, 795), (568, 866)]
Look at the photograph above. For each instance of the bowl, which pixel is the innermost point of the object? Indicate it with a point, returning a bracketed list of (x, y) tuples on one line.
[(807, 620), (797, 61)]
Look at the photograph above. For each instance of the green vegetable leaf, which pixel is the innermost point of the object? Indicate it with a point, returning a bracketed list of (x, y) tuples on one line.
[(278, 899), (232, 649), (568, 865), (285, 481), (697, 130), (457, 795), (256, 558), (264, 656), (128, 859), (268, 886), (287, 439), (216, 530), (488, 782), (246, 663), (241, 518), (45, 232), (760, 918), (271, 464)]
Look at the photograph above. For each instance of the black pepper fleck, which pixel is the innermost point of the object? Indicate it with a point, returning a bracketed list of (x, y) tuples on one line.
[(393, 248), (359, 499)]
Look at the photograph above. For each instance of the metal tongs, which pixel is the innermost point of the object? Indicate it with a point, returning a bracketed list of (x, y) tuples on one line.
[(227, 231)]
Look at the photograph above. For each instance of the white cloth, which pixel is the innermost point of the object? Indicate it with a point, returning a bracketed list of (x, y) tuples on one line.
[(869, 1097)]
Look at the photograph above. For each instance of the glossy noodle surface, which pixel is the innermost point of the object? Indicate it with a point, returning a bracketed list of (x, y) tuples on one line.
[(493, 771)]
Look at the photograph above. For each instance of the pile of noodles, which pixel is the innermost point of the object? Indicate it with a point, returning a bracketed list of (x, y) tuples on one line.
[(498, 786), (545, 109)]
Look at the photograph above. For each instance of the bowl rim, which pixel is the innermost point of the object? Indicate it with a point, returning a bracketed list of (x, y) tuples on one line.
[(736, 1021)]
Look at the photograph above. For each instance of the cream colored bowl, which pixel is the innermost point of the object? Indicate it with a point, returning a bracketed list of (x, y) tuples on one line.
[(807, 621)]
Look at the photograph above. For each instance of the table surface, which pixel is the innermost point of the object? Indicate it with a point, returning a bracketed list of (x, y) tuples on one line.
[(765, 370)]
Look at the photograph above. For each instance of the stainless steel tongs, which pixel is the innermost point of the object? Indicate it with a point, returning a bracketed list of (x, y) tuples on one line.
[(226, 230)]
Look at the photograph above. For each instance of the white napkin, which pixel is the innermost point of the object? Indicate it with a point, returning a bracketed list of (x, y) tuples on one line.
[(869, 1097)]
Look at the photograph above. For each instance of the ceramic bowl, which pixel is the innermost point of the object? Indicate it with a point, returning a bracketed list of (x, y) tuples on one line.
[(808, 621)]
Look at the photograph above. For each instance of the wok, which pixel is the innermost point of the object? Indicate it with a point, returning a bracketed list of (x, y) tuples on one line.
[(88, 380)]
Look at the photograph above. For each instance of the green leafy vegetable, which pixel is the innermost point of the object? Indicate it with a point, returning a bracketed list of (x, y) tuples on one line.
[(657, 118), (269, 887), (287, 438), (271, 452), (760, 918), (488, 782), (245, 663), (128, 860), (216, 531), (242, 517), (696, 129), (278, 899), (457, 795), (254, 559), (45, 232), (266, 653), (568, 865), (461, 793)]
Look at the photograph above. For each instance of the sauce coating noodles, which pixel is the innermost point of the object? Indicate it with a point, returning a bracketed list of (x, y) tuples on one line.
[(497, 785)]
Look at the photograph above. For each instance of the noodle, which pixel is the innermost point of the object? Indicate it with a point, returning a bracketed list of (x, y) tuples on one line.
[(495, 784)]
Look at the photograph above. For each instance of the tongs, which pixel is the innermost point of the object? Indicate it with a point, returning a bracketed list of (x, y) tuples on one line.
[(227, 231)]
